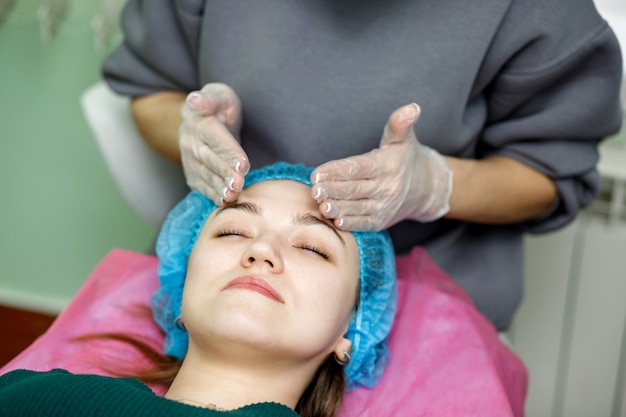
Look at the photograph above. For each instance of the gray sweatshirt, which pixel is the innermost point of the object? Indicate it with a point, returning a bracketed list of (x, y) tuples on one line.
[(534, 80)]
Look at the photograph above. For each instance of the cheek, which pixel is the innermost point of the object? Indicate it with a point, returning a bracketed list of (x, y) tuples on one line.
[(205, 271), (206, 263), (214, 256), (334, 295)]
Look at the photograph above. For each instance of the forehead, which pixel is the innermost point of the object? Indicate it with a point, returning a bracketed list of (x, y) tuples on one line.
[(285, 194)]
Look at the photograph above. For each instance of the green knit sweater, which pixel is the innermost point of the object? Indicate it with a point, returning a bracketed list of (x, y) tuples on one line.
[(58, 393)]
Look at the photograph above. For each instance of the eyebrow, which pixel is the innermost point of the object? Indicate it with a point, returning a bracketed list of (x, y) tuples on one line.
[(249, 208), (309, 219), (302, 219)]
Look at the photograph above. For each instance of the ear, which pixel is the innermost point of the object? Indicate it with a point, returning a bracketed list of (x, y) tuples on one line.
[(343, 345)]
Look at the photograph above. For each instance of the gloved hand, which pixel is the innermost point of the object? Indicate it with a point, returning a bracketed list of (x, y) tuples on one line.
[(402, 179), (213, 161)]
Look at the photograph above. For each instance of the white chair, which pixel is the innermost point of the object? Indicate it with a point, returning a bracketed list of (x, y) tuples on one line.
[(150, 184)]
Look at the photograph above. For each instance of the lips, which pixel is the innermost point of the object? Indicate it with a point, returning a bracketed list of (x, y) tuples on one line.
[(256, 284)]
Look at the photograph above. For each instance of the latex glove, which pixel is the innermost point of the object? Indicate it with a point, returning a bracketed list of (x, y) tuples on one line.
[(402, 179), (213, 161)]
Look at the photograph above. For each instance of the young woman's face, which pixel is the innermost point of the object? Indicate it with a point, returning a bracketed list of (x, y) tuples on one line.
[(269, 273)]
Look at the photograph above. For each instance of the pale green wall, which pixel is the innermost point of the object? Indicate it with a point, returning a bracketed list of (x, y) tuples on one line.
[(60, 212)]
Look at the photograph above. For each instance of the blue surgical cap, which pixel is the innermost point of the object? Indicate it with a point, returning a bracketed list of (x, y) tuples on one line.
[(370, 324)]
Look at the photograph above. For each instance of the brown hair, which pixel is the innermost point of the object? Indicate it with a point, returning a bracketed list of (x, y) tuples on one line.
[(322, 397)]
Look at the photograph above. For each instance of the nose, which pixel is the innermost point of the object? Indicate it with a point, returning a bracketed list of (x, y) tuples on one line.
[(263, 252)]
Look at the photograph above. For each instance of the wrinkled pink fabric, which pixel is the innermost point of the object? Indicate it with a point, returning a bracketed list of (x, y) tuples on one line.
[(106, 302), (446, 358)]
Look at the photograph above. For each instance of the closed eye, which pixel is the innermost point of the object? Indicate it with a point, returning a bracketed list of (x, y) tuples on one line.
[(230, 232), (315, 249)]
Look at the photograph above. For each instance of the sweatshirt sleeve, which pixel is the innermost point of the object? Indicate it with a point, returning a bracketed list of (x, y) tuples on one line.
[(159, 48), (554, 101)]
